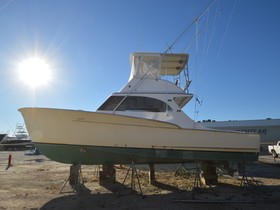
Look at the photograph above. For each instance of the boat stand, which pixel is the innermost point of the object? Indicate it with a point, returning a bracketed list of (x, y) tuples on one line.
[(181, 170), (134, 178), (197, 181), (96, 171), (75, 179), (246, 180)]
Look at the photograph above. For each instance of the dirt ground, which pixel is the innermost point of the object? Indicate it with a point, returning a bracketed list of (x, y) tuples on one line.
[(34, 182)]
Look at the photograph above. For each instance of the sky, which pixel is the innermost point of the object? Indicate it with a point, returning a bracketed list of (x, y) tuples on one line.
[(234, 59)]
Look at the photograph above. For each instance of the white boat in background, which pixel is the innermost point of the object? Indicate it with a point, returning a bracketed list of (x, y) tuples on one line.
[(142, 123), (18, 141)]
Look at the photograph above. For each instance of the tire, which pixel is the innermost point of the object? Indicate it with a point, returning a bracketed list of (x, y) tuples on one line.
[(274, 154)]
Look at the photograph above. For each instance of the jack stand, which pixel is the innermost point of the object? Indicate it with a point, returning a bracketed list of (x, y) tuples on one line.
[(133, 176), (244, 180), (96, 171), (197, 181), (181, 170), (75, 179)]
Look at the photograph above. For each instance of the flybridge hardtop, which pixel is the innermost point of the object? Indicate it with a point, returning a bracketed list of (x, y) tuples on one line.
[(157, 66), (142, 123), (153, 65)]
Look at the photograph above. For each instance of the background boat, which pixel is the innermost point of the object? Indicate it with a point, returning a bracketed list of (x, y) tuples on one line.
[(18, 141)]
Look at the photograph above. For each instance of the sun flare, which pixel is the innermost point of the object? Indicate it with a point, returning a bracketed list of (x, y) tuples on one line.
[(35, 72)]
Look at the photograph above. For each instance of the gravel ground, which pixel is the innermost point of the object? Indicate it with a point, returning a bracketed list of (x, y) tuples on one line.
[(34, 182)]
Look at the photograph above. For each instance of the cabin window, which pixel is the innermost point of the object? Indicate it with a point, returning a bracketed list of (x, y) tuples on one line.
[(134, 103), (111, 103)]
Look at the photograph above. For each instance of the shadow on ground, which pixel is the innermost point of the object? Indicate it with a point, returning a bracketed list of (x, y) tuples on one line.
[(121, 197)]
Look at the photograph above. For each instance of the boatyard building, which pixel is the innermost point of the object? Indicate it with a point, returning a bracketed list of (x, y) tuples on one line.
[(268, 129)]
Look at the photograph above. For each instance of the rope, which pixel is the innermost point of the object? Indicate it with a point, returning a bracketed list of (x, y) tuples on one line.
[(195, 20), (229, 21), (5, 4)]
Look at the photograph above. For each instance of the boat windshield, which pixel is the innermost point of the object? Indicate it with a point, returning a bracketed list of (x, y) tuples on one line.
[(134, 103)]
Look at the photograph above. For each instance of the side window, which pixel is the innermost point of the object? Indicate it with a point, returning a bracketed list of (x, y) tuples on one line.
[(136, 103), (111, 103)]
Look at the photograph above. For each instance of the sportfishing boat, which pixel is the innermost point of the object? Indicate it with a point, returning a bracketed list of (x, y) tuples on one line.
[(142, 123), (18, 141)]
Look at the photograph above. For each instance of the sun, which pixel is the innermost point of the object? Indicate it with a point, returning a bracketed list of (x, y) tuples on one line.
[(35, 72)]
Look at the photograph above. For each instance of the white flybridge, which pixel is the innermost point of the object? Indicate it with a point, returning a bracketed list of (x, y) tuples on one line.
[(142, 123), (147, 95)]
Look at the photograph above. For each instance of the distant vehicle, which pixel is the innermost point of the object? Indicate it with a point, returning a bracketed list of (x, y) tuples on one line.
[(274, 149)]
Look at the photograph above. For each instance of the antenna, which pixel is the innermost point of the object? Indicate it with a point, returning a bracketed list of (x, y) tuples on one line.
[(196, 109)]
